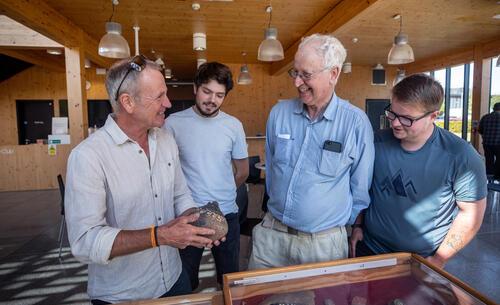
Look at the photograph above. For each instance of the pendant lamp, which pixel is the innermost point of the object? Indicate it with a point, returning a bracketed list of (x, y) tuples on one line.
[(112, 44), (399, 76), (401, 52), (270, 48), (244, 78)]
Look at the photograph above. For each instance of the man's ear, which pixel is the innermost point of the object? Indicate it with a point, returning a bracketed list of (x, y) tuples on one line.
[(127, 102), (334, 75)]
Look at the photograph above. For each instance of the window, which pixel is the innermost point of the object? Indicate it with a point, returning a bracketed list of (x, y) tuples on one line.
[(495, 83), (469, 108), (440, 76), (456, 103), (456, 111)]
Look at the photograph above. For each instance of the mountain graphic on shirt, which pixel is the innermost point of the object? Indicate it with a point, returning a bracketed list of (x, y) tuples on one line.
[(399, 184)]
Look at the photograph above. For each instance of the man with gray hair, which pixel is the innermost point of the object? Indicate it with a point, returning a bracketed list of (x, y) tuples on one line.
[(319, 163), (124, 190)]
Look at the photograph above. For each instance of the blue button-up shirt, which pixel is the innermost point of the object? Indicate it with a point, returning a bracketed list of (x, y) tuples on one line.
[(312, 187)]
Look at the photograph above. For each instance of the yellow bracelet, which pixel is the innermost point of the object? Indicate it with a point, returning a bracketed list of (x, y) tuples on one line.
[(153, 237)]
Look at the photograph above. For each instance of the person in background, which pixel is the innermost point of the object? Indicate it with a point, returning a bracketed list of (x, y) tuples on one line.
[(489, 128), (213, 154), (126, 195), (319, 163), (429, 186)]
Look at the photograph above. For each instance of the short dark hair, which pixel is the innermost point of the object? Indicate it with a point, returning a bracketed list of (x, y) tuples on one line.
[(214, 71), (419, 89), (496, 107)]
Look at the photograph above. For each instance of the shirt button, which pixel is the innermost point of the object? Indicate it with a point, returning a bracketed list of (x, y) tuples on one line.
[(140, 151), (159, 218), (156, 195), (169, 164)]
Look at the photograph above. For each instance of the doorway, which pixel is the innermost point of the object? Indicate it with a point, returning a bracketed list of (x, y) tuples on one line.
[(34, 120), (375, 112)]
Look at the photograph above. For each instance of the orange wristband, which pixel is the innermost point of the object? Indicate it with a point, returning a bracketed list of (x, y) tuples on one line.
[(153, 237)]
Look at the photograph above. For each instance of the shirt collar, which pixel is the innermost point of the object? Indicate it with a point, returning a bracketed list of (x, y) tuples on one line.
[(117, 134), (328, 113)]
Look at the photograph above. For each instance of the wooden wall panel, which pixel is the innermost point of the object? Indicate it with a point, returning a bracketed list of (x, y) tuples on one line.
[(30, 167), (356, 86)]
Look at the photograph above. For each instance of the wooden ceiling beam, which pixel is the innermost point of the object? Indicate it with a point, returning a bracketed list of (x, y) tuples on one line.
[(14, 34), (36, 59), (339, 15), (42, 18), (453, 58)]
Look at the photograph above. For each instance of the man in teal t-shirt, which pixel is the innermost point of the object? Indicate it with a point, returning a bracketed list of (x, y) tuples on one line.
[(429, 186), (213, 154)]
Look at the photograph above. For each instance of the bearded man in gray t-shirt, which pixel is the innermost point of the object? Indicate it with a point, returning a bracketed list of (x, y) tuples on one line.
[(429, 186)]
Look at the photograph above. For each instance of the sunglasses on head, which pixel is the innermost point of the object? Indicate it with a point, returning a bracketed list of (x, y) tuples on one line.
[(137, 63)]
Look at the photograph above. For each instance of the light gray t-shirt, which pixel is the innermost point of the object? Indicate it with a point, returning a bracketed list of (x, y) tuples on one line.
[(206, 149), (414, 194)]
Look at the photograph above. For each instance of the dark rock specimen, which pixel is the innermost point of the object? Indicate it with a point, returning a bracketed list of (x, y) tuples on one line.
[(211, 217)]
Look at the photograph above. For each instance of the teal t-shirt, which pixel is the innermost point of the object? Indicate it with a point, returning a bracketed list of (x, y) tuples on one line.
[(414, 194)]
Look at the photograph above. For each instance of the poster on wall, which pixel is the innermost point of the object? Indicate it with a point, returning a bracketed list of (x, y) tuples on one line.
[(52, 149)]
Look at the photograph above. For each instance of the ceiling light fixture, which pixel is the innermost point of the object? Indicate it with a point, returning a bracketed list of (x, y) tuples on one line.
[(160, 62), (54, 51), (244, 78), (195, 6), (401, 52), (200, 61), (168, 73), (347, 67), (270, 48), (199, 41), (112, 44), (399, 76), (87, 63)]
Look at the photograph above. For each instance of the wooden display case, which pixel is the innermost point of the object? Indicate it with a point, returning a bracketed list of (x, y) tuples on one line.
[(209, 298), (399, 279)]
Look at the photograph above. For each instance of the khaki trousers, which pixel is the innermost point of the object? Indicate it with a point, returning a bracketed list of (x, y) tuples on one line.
[(277, 245)]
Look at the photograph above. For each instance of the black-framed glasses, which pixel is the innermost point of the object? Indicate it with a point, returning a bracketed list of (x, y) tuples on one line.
[(137, 63), (404, 120), (305, 76)]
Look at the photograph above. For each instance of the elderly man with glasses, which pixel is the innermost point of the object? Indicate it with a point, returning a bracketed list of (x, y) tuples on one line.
[(429, 186), (126, 194), (319, 163)]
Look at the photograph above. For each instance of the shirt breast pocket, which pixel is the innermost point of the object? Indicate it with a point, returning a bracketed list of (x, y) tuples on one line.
[(282, 150), (333, 163)]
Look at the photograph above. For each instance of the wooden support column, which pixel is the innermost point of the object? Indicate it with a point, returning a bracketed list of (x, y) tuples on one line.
[(477, 93), (77, 96)]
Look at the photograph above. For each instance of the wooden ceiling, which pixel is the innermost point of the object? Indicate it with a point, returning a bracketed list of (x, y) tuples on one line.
[(434, 27)]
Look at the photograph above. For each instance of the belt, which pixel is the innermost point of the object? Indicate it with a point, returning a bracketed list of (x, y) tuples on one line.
[(273, 223)]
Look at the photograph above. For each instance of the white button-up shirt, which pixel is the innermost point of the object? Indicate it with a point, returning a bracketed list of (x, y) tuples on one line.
[(112, 185)]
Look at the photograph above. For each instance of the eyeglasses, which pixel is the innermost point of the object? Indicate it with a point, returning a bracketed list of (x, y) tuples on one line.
[(404, 120), (305, 76), (138, 63)]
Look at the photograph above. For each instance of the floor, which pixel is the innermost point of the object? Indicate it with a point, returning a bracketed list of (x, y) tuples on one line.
[(32, 273)]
